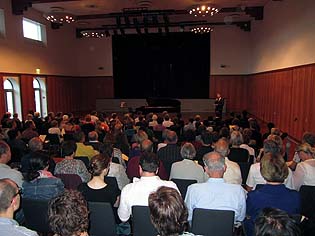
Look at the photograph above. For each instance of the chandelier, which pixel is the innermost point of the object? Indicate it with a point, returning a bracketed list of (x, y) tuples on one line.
[(58, 15), (201, 30), (203, 10)]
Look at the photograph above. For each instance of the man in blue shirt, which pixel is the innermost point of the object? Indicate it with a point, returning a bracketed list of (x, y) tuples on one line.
[(215, 193), (9, 202)]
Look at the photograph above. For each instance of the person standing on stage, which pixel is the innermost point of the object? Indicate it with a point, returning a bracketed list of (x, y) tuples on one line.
[(219, 104)]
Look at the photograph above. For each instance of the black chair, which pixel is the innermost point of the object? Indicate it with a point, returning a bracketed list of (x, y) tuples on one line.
[(307, 194), (244, 166), (68, 137), (71, 181), (53, 142), (35, 213), (141, 222), (182, 185), (212, 222), (85, 160), (102, 219)]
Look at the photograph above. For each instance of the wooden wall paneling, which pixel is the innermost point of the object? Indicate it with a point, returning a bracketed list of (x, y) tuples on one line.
[(231, 87), (27, 94)]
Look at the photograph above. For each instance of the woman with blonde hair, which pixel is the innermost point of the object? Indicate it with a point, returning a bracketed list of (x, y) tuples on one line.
[(303, 165)]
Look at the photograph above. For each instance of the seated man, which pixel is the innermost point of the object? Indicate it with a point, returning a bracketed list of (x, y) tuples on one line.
[(5, 170), (68, 214), (274, 222), (215, 193), (10, 202), (93, 141), (137, 193)]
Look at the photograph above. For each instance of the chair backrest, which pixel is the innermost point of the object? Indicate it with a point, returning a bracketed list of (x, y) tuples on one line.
[(212, 222), (68, 137), (307, 194), (35, 213), (85, 160), (102, 219), (244, 166), (182, 185), (71, 181), (141, 222), (53, 139)]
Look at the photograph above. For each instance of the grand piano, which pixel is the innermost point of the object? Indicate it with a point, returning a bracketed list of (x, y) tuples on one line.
[(157, 105)]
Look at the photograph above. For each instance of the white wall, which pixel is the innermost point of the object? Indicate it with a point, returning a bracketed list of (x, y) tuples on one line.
[(19, 55), (286, 36), (230, 46)]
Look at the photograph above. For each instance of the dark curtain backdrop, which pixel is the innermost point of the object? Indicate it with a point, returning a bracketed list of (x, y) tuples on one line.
[(175, 65)]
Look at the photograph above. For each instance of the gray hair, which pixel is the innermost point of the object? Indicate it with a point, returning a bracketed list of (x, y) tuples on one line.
[(236, 138), (214, 161), (270, 146), (35, 144), (222, 147), (188, 151)]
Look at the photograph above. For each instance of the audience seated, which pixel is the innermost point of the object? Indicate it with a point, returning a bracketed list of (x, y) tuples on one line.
[(303, 166), (171, 152), (255, 177), (17, 146), (168, 212), (275, 222), (137, 193), (70, 165), (206, 146), (83, 150), (273, 194), (29, 131), (232, 174), (93, 141), (68, 214), (10, 199), (97, 190), (39, 182), (187, 168), (215, 193), (237, 154), (5, 170)]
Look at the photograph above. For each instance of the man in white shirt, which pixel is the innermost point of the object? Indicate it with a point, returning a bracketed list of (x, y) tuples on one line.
[(215, 193), (232, 174), (137, 193)]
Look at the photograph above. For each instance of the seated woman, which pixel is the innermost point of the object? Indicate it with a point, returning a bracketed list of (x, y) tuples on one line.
[(68, 214), (303, 165), (168, 212), (274, 170), (237, 154), (97, 190), (39, 182), (70, 165)]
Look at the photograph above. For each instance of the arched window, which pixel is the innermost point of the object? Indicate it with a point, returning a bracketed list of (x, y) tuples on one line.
[(37, 91), (9, 96), (39, 85)]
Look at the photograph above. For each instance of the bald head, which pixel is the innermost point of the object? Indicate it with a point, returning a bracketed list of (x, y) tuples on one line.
[(222, 147), (93, 136), (146, 145), (214, 164)]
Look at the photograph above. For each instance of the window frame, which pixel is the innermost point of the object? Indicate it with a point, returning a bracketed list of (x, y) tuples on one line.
[(11, 91), (41, 30)]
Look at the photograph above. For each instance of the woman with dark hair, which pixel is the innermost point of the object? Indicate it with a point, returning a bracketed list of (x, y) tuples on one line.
[(68, 214), (39, 182), (97, 190), (168, 212)]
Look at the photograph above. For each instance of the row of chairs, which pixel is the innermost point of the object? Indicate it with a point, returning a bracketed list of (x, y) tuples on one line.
[(102, 220)]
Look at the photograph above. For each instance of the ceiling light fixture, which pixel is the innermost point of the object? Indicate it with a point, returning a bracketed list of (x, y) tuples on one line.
[(59, 16), (93, 34), (203, 10), (201, 30)]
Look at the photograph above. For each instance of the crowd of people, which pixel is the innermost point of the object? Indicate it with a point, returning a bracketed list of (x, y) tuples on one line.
[(144, 154)]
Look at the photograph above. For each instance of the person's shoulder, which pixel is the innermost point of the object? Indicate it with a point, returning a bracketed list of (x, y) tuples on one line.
[(23, 231)]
